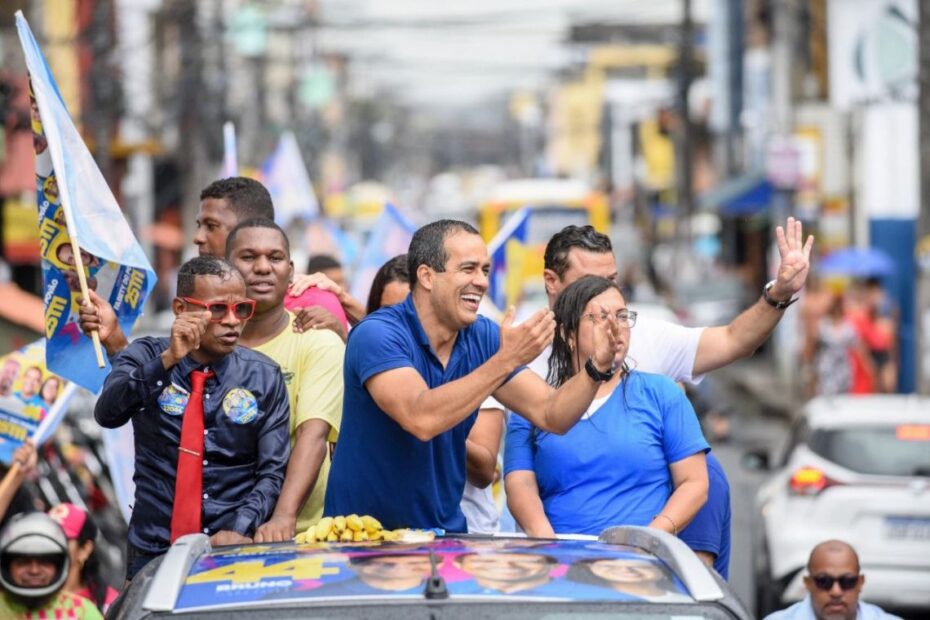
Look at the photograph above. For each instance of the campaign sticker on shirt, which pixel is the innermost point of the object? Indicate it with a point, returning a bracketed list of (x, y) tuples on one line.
[(240, 406), (173, 400)]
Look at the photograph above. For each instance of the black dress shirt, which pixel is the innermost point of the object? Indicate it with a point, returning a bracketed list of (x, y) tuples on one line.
[(246, 438)]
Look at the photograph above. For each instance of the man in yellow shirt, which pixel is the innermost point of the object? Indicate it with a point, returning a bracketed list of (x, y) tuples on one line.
[(312, 367)]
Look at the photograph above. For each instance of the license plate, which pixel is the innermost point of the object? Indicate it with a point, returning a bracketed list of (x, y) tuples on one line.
[(907, 528)]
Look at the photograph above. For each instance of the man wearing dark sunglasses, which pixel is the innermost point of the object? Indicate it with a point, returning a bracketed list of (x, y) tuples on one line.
[(210, 419), (833, 583)]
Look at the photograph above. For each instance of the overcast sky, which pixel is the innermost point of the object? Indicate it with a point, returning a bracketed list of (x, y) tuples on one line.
[(437, 53)]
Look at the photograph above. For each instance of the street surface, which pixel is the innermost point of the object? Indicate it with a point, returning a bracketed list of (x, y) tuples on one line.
[(750, 429)]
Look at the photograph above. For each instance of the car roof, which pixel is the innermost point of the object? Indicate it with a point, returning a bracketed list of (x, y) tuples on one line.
[(194, 578), (326, 571), (867, 410)]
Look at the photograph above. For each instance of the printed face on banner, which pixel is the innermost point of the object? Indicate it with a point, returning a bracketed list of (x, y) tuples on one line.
[(28, 392), (563, 570)]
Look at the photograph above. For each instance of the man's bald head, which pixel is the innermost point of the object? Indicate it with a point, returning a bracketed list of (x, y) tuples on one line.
[(834, 582), (831, 547)]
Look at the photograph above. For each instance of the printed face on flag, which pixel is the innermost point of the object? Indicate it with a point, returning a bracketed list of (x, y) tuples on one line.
[(62, 283)]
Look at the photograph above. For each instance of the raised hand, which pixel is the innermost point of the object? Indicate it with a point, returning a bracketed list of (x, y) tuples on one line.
[(795, 260), (186, 332), (27, 457), (606, 337), (96, 315), (521, 344)]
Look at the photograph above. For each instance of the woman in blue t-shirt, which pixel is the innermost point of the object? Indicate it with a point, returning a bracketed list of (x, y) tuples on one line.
[(635, 458)]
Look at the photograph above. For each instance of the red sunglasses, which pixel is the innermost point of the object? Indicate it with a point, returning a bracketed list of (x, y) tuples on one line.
[(219, 310)]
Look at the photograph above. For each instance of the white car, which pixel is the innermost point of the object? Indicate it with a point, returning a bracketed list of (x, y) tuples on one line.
[(857, 468)]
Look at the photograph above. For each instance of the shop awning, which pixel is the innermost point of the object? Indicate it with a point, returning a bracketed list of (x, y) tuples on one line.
[(740, 196)]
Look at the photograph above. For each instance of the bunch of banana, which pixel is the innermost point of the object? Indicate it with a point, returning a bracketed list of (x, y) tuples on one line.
[(351, 528)]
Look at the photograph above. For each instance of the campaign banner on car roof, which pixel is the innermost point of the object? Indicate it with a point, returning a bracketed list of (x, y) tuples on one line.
[(75, 204), (32, 400), (489, 569)]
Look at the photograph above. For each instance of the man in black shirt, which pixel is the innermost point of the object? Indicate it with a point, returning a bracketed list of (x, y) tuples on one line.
[(232, 464)]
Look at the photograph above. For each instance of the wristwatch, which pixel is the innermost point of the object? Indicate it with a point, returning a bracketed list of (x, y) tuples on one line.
[(778, 305), (596, 374)]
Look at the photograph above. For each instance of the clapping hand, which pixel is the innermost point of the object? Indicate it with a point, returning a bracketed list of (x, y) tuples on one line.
[(521, 344), (606, 337)]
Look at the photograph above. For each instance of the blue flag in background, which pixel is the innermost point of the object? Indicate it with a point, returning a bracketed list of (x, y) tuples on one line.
[(507, 251), (390, 236), (230, 152), (75, 203), (287, 180)]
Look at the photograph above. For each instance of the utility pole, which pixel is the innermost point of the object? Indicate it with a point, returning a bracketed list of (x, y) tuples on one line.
[(190, 118), (104, 89), (683, 161), (922, 322)]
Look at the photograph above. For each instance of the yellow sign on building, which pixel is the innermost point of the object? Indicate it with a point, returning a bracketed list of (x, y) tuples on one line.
[(575, 126)]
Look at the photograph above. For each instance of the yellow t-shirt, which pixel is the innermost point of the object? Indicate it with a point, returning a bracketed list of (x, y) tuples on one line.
[(312, 366)]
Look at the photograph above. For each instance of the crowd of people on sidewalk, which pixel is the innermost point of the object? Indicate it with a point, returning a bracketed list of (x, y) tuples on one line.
[(850, 338), (278, 399)]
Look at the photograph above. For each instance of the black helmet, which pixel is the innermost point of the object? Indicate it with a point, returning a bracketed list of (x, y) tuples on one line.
[(33, 535)]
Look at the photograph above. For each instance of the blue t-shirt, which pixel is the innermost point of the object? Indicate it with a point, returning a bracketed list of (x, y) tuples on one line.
[(379, 468), (710, 529), (611, 468)]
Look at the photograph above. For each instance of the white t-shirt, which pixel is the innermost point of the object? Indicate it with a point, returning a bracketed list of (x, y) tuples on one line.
[(478, 505), (659, 347)]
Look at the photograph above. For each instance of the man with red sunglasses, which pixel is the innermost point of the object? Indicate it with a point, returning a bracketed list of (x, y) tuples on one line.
[(833, 584), (210, 419)]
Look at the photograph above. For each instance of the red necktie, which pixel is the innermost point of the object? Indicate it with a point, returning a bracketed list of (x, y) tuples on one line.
[(188, 486)]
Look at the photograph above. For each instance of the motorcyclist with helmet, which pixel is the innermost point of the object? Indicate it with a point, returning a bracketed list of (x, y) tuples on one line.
[(34, 565)]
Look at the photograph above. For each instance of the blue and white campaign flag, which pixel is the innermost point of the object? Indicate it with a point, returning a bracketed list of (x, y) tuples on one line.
[(76, 208), (33, 400), (508, 254), (288, 182), (230, 153), (390, 236)]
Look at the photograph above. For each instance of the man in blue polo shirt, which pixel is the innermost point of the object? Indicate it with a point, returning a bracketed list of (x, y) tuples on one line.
[(416, 373)]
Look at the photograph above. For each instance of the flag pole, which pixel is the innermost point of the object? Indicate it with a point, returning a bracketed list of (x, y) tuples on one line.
[(85, 291)]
